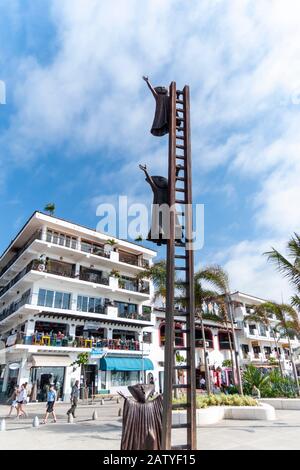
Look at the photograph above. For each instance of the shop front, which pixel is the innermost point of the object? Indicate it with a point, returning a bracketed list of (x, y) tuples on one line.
[(116, 373), (48, 370)]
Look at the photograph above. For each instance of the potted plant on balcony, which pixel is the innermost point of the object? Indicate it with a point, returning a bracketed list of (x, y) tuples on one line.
[(115, 273), (110, 245)]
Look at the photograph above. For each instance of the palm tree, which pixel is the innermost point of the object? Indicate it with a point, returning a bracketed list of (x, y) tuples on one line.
[(158, 274), (50, 208), (263, 316), (290, 268), (288, 326)]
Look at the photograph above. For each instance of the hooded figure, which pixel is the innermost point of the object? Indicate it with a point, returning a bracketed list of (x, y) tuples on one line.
[(142, 419), (161, 119), (160, 230)]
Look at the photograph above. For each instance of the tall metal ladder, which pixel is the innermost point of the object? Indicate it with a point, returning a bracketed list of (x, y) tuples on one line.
[(180, 259)]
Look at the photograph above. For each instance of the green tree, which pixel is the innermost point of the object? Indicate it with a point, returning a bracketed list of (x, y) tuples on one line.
[(289, 266), (50, 208), (288, 325), (261, 314)]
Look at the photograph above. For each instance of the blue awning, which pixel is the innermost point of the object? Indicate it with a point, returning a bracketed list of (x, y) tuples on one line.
[(125, 363)]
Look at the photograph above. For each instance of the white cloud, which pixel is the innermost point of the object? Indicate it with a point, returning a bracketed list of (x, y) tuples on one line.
[(241, 59)]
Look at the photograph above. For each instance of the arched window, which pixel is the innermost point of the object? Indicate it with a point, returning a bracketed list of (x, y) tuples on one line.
[(208, 338), (224, 339), (162, 329), (179, 340)]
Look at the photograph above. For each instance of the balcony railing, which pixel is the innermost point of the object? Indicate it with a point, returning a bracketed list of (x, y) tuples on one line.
[(95, 278), (14, 306), (36, 236), (144, 316), (44, 339), (134, 286), (199, 343)]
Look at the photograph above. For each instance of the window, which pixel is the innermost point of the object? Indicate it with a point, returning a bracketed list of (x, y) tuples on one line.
[(49, 298), (126, 310), (121, 378), (61, 239), (147, 337), (252, 329), (224, 339), (262, 330), (245, 350), (90, 304)]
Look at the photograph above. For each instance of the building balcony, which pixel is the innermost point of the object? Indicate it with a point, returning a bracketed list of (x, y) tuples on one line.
[(79, 342), (64, 245)]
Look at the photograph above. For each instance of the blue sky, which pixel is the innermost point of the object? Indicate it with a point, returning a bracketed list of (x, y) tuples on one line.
[(77, 119)]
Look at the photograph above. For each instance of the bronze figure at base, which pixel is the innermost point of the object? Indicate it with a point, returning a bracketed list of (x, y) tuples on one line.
[(142, 419)]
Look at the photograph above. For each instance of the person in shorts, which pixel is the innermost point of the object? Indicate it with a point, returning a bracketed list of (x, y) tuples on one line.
[(21, 401), (13, 401), (51, 399)]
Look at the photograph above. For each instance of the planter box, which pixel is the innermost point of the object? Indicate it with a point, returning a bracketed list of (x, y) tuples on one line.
[(282, 403), (214, 414)]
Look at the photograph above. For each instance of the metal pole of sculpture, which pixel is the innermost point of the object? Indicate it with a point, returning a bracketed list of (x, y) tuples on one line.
[(172, 116)]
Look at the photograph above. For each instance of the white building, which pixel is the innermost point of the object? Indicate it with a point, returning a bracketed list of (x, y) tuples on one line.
[(64, 290), (258, 344), (255, 343)]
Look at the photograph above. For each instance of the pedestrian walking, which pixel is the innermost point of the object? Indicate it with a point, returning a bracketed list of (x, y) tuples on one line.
[(13, 401), (21, 401), (51, 399), (74, 399)]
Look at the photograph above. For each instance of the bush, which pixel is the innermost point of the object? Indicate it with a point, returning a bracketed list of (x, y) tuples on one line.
[(204, 401), (270, 385)]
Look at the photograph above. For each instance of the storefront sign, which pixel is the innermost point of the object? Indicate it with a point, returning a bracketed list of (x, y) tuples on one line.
[(97, 352), (91, 326), (11, 340), (14, 366)]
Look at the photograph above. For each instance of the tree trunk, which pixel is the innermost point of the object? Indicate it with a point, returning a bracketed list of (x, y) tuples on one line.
[(207, 373), (236, 354), (293, 366), (277, 349)]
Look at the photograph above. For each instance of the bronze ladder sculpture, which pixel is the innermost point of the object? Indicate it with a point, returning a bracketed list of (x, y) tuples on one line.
[(180, 259)]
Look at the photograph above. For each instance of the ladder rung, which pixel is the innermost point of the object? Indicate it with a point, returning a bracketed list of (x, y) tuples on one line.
[(180, 268), (182, 367), (182, 406), (180, 330), (180, 190), (179, 137), (180, 147), (182, 447), (179, 167), (180, 157), (178, 92), (180, 119), (180, 101), (182, 244), (179, 201), (179, 128), (180, 213), (180, 178), (181, 385), (181, 348), (180, 256), (180, 426)]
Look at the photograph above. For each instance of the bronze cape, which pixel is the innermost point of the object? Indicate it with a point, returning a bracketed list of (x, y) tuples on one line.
[(142, 420)]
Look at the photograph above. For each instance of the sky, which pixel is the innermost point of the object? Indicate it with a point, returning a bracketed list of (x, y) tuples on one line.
[(77, 117)]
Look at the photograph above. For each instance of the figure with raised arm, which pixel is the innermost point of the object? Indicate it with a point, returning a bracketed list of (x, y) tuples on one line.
[(161, 120), (159, 231)]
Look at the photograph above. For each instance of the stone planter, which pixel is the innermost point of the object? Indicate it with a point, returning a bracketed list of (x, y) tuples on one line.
[(214, 414)]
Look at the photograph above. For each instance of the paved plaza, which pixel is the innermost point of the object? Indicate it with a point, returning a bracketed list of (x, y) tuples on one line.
[(105, 433)]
